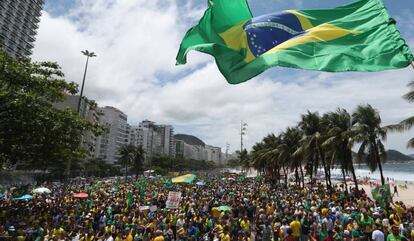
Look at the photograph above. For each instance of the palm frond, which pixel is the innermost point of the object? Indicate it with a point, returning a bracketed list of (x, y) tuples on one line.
[(410, 143), (409, 96), (395, 128)]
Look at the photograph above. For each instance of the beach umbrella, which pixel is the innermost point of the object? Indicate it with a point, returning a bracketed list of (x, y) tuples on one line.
[(224, 208), (201, 183), (24, 197), (189, 178), (80, 195), (231, 179), (41, 190)]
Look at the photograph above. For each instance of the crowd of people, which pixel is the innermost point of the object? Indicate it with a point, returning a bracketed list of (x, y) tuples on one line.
[(118, 210)]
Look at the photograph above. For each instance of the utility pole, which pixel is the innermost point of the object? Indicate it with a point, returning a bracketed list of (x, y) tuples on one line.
[(227, 152), (243, 128)]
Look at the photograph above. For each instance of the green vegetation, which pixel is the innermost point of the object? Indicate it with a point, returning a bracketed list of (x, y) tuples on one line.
[(132, 156), (322, 141), (408, 123), (33, 134)]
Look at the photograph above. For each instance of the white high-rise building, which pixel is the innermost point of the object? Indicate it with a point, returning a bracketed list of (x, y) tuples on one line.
[(213, 154), (154, 139), (191, 147), (116, 135), (89, 111), (19, 21)]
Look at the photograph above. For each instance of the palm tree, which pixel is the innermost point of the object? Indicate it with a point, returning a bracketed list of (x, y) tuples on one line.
[(138, 160), (265, 156), (409, 122), (311, 148), (338, 143), (126, 153), (287, 156), (245, 160), (368, 131)]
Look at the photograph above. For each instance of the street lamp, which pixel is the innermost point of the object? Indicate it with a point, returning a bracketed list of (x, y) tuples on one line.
[(88, 55)]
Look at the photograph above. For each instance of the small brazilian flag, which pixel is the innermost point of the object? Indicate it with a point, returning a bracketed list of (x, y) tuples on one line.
[(129, 199), (168, 183), (360, 36), (382, 194)]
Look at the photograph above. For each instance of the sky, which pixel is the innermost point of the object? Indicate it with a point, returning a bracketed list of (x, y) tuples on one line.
[(136, 42)]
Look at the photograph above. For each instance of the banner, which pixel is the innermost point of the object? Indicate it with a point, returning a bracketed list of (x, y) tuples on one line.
[(382, 195), (173, 200)]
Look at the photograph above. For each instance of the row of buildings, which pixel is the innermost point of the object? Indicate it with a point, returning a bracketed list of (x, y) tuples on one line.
[(156, 139), (19, 21)]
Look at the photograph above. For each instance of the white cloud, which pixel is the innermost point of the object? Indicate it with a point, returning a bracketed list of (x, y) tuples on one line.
[(136, 42)]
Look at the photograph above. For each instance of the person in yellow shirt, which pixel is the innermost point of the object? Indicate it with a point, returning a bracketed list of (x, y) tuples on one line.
[(245, 224), (215, 212), (226, 234), (58, 232), (295, 226), (269, 209), (158, 236), (128, 235)]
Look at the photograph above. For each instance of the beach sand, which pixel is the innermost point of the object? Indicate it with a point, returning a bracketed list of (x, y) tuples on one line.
[(404, 195)]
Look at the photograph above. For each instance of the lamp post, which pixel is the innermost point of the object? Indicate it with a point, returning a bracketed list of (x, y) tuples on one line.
[(88, 55)]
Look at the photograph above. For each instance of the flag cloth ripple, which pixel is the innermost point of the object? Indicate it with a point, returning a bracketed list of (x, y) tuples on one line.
[(189, 178), (360, 36)]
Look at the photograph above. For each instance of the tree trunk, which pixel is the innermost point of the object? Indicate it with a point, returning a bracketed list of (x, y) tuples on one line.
[(303, 177), (126, 171), (297, 176), (379, 162), (285, 171), (278, 174), (343, 174), (380, 168), (324, 168), (311, 172), (354, 177)]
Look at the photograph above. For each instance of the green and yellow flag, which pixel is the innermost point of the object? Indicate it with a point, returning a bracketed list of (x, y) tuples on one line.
[(129, 199), (382, 194), (189, 178), (360, 36)]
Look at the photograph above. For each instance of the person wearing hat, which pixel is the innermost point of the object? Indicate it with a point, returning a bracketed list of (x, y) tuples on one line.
[(395, 234), (108, 237), (347, 235), (377, 234)]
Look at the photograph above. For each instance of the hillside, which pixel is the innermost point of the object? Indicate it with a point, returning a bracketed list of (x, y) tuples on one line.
[(189, 139), (393, 155)]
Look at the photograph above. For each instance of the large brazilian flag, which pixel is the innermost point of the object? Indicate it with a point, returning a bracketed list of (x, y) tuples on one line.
[(360, 36)]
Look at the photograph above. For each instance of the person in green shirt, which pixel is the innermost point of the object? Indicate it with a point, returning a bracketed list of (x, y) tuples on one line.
[(395, 234), (365, 222)]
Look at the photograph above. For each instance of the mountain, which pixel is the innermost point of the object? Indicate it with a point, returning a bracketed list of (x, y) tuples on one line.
[(393, 155), (189, 139)]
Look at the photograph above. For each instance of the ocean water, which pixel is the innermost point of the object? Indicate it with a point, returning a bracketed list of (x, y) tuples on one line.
[(396, 171)]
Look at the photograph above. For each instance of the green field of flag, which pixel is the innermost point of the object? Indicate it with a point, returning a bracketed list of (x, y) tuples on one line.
[(360, 36)]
